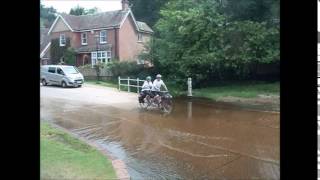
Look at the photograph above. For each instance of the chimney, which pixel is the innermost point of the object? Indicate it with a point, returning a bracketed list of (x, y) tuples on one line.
[(125, 4)]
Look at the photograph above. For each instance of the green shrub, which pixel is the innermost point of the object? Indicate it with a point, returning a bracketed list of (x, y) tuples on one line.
[(70, 57), (129, 69)]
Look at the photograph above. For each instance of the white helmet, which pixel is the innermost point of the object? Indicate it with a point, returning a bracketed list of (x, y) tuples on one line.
[(158, 76)]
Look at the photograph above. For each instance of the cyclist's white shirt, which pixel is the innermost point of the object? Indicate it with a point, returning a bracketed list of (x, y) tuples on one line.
[(146, 86), (157, 85)]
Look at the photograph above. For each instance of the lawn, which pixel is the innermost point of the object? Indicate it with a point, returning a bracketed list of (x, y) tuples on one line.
[(65, 157), (243, 90), (103, 83), (111, 84)]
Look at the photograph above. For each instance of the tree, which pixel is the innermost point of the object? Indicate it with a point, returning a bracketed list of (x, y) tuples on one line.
[(146, 10), (197, 39), (47, 15), (77, 11), (254, 10), (92, 10)]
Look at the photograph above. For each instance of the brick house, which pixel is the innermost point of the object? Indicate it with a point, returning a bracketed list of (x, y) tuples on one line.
[(102, 36)]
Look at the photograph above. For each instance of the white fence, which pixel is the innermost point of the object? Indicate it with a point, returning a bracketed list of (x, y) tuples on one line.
[(128, 80), (137, 84)]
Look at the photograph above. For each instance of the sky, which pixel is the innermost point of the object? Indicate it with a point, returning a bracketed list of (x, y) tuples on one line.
[(66, 5)]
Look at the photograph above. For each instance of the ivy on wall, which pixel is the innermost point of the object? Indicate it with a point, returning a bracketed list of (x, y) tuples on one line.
[(57, 52)]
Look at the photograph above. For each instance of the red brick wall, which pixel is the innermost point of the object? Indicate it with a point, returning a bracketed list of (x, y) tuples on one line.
[(129, 47), (75, 38)]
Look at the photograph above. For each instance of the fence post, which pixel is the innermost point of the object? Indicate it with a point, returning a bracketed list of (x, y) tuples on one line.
[(138, 85), (128, 84), (189, 87), (119, 82)]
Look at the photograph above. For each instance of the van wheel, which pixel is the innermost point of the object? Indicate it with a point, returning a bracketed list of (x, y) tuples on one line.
[(44, 83), (64, 84)]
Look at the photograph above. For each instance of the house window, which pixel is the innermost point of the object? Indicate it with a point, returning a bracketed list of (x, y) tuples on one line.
[(140, 37), (62, 40), (103, 37), (84, 38), (108, 56), (100, 56)]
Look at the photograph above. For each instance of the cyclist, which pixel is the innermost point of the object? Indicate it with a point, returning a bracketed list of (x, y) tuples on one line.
[(146, 89), (157, 83)]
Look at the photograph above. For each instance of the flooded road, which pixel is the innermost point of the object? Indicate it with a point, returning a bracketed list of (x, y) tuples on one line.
[(198, 140)]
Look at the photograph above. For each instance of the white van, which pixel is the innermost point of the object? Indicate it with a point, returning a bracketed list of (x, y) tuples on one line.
[(61, 75)]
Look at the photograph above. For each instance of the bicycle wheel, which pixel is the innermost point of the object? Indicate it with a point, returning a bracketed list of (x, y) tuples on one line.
[(145, 104), (166, 105)]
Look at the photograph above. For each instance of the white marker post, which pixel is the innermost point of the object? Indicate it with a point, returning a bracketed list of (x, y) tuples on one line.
[(119, 82), (189, 87), (128, 84), (138, 85)]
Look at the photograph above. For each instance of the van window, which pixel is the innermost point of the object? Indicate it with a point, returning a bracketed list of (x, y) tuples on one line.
[(59, 71), (52, 70), (70, 70)]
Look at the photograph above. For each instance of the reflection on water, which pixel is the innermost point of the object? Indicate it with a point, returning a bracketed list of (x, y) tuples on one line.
[(197, 140)]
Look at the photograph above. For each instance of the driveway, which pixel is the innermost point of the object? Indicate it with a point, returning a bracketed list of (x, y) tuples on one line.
[(92, 94)]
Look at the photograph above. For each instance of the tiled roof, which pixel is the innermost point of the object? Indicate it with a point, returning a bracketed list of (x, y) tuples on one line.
[(44, 41), (44, 38), (143, 27), (47, 54), (99, 20)]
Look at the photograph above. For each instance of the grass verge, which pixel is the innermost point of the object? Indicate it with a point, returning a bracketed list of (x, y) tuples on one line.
[(242, 90), (103, 83), (65, 157), (228, 89)]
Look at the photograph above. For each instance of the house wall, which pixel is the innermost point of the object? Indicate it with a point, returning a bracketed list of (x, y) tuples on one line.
[(129, 47), (92, 39), (75, 37)]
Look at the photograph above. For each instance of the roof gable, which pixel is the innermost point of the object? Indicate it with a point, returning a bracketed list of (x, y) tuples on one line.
[(58, 20), (60, 26)]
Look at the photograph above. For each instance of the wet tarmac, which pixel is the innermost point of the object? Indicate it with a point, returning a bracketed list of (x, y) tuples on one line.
[(198, 140)]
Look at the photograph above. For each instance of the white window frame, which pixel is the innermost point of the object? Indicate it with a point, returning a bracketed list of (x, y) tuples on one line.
[(101, 37), (139, 37), (95, 58), (82, 38), (60, 40)]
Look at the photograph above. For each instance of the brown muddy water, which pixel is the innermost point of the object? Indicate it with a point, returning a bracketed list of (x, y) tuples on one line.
[(198, 140)]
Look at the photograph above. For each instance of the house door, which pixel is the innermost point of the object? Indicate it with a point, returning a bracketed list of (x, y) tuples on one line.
[(85, 59)]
